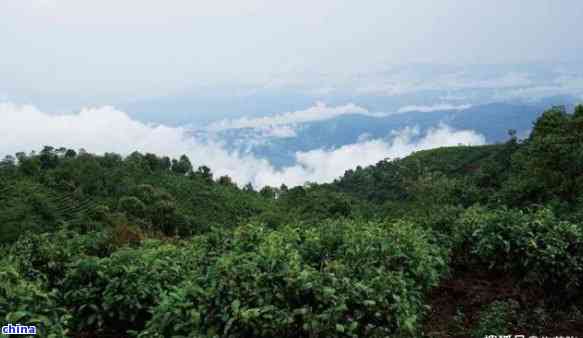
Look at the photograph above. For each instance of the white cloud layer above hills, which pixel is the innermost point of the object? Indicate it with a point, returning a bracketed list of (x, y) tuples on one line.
[(106, 129), (319, 112), (284, 125)]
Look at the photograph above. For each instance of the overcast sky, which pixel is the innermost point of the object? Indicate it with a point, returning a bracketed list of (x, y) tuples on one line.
[(138, 48)]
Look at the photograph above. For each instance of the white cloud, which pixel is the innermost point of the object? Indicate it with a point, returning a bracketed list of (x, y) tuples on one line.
[(364, 137), (389, 88), (435, 107), (562, 85), (455, 97), (319, 112), (323, 165), (99, 130), (402, 84), (322, 91), (284, 125), (276, 131), (181, 43), (509, 80)]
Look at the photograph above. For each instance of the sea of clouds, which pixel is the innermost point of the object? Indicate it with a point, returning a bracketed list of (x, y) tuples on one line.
[(107, 129)]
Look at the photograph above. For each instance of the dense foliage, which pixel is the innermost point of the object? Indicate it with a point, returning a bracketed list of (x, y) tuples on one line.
[(149, 246), (342, 278)]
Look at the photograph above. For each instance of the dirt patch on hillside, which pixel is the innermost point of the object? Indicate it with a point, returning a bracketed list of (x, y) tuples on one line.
[(457, 302)]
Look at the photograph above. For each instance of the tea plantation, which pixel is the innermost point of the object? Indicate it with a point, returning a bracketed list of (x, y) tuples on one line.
[(451, 242)]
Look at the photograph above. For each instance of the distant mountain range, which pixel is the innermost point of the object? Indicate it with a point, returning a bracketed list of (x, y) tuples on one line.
[(376, 91), (492, 120), (499, 97)]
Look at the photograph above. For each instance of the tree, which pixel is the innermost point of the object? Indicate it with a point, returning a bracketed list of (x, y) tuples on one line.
[(8, 165), (550, 164), (578, 112), (111, 160), (165, 163), (48, 158), (283, 188), (29, 165), (153, 162), (205, 173), (132, 206), (145, 192), (248, 187), (164, 216), (226, 181), (268, 192), (70, 153), (182, 166)]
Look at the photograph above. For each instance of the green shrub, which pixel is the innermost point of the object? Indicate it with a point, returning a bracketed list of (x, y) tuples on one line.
[(345, 279), (119, 291), (494, 319), (28, 303), (132, 206), (536, 245), (47, 255), (440, 219)]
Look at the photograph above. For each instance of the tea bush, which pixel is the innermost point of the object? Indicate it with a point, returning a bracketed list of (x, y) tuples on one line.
[(534, 244), (118, 291), (46, 255), (345, 279), (28, 303), (495, 319)]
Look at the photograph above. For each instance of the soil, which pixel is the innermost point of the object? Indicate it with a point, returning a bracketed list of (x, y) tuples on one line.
[(468, 292)]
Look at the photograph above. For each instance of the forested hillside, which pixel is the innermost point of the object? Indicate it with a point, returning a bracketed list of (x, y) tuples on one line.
[(451, 242)]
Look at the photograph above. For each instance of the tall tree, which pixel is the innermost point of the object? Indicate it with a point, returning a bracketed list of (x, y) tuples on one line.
[(550, 164), (182, 166)]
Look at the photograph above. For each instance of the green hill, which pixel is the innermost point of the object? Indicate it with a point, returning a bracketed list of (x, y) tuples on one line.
[(450, 242)]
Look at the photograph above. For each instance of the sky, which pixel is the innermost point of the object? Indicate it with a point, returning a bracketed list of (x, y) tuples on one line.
[(109, 51), (141, 74)]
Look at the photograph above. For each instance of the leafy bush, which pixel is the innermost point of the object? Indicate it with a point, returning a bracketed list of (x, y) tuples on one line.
[(120, 290), (345, 279), (28, 303), (440, 219), (132, 206), (47, 255), (494, 319), (536, 244), (549, 164)]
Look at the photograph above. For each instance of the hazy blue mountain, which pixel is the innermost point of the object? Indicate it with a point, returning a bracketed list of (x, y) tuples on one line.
[(491, 120), (379, 91)]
